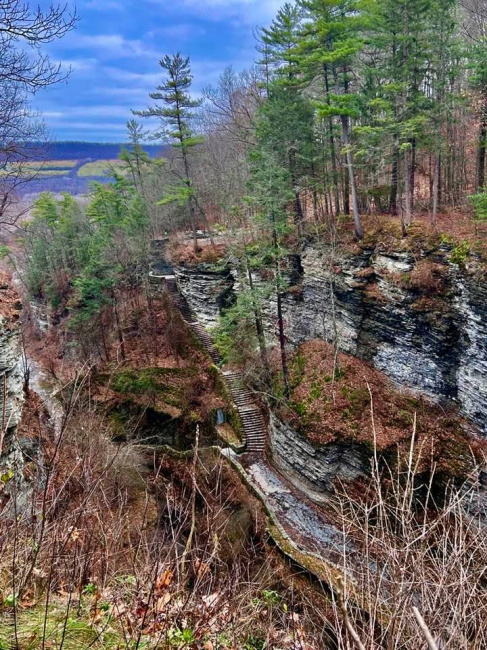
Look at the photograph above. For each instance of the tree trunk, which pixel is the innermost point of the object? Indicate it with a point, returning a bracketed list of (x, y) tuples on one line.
[(346, 194), (282, 344), (481, 147), (192, 202), (394, 181), (259, 328), (298, 208), (336, 189), (436, 177), (119, 329), (280, 319), (346, 141), (413, 171), (408, 215)]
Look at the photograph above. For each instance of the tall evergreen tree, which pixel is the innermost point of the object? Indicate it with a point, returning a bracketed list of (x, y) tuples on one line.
[(399, 30), (176, 116), (331, 42), (286, 120), (478, 80)]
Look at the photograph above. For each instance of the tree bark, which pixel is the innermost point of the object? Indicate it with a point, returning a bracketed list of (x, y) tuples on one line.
[(394, 181), (336, 189), (280, 319), (298, 208), (436, 176), (346, 141), (481, 147), (259, 329), (413, 171), (408, 215)]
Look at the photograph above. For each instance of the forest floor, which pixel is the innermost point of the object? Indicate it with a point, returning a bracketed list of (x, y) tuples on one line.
[(453, 227)]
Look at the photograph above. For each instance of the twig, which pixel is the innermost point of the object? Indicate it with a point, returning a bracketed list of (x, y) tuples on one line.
[(424, 629)]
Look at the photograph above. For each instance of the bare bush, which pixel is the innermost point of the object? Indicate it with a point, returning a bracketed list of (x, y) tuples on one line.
[(414, 554)]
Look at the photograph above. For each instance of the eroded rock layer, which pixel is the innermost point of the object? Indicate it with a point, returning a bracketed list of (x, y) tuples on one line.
[(419, 317)]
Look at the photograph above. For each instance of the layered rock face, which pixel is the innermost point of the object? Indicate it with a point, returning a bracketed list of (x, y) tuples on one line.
[(13, 450), (420, 318), (422, 321), (11, 372), (208, 291), (317, 467)]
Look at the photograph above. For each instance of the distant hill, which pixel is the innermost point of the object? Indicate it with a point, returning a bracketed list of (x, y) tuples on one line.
[(73, 166), (90, 150)]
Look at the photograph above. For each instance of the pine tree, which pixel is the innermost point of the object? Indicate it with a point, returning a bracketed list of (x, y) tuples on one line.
[(271, 194), (176, 116), (442, 63), (285, 124), (330, 44), (478, 80), (399, 30)]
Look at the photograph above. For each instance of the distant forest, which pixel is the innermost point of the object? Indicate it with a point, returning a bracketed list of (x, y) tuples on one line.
[(93, 150), (69, 174)]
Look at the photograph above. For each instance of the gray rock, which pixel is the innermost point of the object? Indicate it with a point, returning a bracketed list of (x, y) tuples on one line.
[(439, 351), (207, 291), (316, 467)]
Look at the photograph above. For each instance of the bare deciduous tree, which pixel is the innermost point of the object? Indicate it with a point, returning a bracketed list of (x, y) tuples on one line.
[(24, 70)]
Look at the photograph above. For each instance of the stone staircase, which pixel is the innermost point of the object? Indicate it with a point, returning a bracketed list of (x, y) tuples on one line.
[(253, 423), (205, 339)]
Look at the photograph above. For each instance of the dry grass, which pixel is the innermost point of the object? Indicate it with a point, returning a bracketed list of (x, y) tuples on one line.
[(208, 253), (420, 566), (103, 562)]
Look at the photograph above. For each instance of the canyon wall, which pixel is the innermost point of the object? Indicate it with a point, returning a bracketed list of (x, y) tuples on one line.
[(11, 371), (315, 467), (207, 290), (13, 450), (418, 316), (419, 319)]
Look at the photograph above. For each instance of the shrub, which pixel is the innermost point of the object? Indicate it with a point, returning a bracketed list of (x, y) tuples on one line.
[(479, 202), (460, 253)]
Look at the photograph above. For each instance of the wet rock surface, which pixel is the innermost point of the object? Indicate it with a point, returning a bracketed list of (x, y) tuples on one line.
[(303, 522)]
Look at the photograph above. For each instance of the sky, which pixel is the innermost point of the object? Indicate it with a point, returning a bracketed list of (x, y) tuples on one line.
[(114, 51)]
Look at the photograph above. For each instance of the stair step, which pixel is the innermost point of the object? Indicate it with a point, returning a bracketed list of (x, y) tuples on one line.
[(254, 426)]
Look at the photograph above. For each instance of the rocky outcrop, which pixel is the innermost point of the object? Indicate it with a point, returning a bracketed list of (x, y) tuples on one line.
[(11, 372), (207, 290), (421, 320), (315, 467), (13, 450), (417, 316)]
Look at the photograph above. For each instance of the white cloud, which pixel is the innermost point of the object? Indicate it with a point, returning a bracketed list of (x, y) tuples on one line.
[(177, 32), (90, 111), (52, 114), (105, 5), (83, 125), (249, 12), (111, 45)]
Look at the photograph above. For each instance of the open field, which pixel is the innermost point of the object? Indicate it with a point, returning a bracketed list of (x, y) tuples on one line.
[(52, 164), (98, 168), (36, 173)]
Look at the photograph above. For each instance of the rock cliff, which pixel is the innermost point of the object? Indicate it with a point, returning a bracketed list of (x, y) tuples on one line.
[(12, 450), (417, 315), (419, 319), (315, 467), (207, 290), (11, 373)]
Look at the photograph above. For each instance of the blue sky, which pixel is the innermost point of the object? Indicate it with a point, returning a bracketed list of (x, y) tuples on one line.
[(114, 53)]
